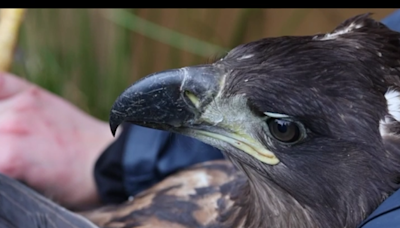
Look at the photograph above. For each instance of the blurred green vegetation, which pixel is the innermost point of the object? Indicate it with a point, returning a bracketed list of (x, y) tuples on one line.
[(89, 56)]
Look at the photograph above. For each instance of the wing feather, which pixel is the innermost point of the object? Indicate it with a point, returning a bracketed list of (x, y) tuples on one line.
[(195, 197)]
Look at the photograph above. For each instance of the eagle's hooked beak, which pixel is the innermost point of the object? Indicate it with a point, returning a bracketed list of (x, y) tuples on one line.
[(175, 100), (171, 98)]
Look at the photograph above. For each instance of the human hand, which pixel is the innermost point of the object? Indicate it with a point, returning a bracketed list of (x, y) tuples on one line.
[(48, 143)]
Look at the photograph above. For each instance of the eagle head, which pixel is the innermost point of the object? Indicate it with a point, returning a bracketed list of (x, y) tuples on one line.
[(313, 118)]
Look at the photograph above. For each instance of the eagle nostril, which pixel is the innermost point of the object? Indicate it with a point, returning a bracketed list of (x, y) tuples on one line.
[(193, 98)]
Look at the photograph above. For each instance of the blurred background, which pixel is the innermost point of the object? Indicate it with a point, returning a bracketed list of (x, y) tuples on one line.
[(89, 56)]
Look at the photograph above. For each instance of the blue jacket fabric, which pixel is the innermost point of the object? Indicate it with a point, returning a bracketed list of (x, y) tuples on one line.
[(165, 153), (141, 157)]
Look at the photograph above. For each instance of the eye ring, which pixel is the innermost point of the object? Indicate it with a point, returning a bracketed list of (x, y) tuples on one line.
[(284, 130)]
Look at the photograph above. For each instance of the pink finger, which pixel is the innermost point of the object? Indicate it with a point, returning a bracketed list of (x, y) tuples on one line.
[(11, 85)]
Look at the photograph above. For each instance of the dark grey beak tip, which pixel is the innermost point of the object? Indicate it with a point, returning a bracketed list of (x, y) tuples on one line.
[(113, 129), (115, 120), (118, 113)]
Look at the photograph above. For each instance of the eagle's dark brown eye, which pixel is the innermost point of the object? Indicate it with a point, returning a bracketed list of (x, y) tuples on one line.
[(284, 130)]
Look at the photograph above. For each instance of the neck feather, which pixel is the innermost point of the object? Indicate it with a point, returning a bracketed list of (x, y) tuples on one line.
[(259, 202)]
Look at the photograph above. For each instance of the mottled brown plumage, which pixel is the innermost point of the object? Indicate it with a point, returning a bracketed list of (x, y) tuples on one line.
[(189, 198)]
